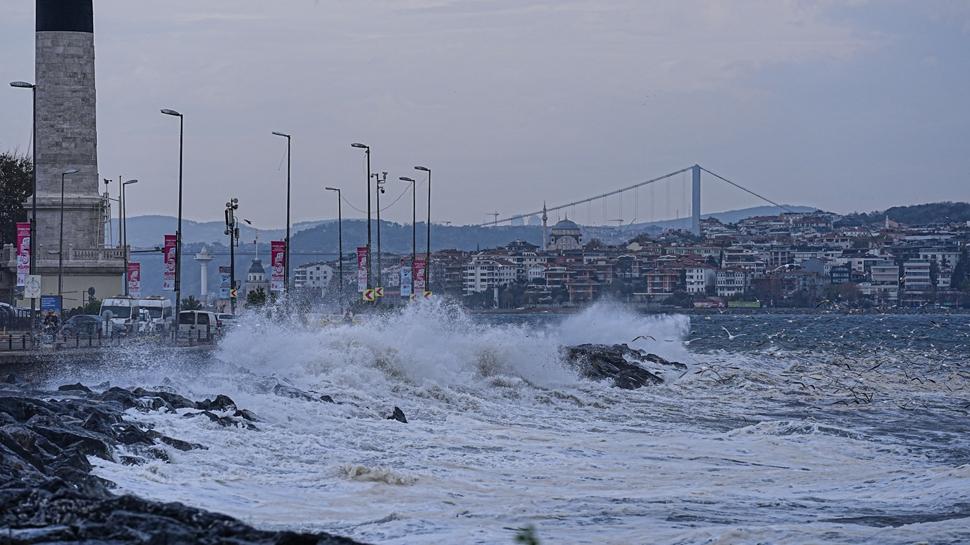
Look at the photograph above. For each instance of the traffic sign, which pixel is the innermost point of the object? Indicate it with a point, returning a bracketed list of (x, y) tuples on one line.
[(379, 291), (233, 293), (427, 294), (370, 296), (32, 286)]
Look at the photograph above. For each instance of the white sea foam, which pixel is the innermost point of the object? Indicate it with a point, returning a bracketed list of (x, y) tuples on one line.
[(502, 434)]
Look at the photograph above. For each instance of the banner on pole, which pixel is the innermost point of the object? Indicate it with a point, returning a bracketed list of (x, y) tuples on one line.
[(134, 279), (278, 260), (361, 268), (168, 276), (23, 252), (418, 270), (405, 281), (225, 279)]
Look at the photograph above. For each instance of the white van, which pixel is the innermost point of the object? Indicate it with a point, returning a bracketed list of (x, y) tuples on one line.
[(160, 311), (119, 314), (198, 324)]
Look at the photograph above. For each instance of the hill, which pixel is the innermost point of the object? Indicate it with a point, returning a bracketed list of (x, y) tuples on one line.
[(917, 214)]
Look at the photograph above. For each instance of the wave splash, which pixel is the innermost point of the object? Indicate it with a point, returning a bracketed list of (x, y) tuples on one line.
[(435, 343)]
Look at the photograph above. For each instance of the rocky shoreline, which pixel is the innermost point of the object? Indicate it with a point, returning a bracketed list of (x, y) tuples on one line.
[(47, 491)]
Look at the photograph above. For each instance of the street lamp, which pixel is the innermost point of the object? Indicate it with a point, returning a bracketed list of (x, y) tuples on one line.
[(178, 230), (124, 227), (427, 255), (60, 244), (33, 206), (366, 149), (286, 250), (380, 191), (414, 225), (232, 229), (340, 245)]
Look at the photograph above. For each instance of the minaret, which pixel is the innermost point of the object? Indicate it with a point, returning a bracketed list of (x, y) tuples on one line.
[(545, 221)]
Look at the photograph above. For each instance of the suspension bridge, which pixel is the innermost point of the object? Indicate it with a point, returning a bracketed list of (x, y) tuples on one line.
[(695, 172)]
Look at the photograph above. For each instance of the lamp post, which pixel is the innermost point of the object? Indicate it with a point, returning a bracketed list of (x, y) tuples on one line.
[(427, 255), (366, 149), (286, 248), (232, 229), (178, 230), (33, 206), (60, 244), (340, 246), (414, 224), (124, 227), (380, 191)]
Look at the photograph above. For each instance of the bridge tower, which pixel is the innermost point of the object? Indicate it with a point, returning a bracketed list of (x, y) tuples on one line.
[(695, 193)]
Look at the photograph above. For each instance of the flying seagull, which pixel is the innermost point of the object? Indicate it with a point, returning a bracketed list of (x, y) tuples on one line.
[(638, 337), (731, 336)]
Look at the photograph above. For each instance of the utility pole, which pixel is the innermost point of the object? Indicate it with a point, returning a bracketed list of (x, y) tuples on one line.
[(340, 246), (366, 149)]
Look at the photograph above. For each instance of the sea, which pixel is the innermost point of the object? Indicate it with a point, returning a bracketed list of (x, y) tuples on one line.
[(783, 429)]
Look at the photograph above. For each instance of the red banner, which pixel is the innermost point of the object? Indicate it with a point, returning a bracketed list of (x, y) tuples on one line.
[(361, 268), (278, 262), (23, 252), (134, 279), (418, 269), (168, 276)]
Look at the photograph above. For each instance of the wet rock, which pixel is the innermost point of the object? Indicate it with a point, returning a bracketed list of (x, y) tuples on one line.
[(220, 403), (74, 388), (283, 390), (617, 362), (224, 421), (246, 414), (47, 494), (398, 415), (171, 401), (327, 399)]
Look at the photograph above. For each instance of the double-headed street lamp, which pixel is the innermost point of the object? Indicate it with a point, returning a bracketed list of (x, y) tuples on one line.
[(286, 249), (366, 149), (60, 244), (340, 245), (232, 229), (178, 230), (33, 207), (427, 255), (414, 225), (123, 205)]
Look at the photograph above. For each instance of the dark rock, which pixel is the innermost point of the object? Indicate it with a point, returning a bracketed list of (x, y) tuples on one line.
[(398, 415), (47, 494), (617, 362), (171, 401), (220, 403), (74, 388), (327, 399), (295, 393), (224, 421), (246, 414)]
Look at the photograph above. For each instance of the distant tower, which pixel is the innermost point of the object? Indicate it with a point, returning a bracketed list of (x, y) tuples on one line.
[(545, 222), (695, 194), (203, 258)]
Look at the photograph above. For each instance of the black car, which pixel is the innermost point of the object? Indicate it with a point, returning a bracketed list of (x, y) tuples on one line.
[(82, 325)]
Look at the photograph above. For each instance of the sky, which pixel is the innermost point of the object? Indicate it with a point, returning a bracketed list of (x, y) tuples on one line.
[(844, 105)]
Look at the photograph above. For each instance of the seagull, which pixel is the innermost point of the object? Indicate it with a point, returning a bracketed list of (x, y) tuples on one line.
[(638, 337), (730, 336)]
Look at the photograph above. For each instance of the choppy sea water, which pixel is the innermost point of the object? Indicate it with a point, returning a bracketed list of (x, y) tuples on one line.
[(800, 429)]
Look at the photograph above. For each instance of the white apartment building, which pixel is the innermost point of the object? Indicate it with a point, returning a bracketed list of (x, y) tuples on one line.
[(697, 279), (484, 274), (916, 275), (313, 276), (731, 282)]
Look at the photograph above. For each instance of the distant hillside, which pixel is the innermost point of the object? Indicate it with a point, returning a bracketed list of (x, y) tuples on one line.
[(917, 214), (147, 231)]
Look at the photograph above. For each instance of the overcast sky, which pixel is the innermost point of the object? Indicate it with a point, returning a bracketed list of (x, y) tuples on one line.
[(848, 105)]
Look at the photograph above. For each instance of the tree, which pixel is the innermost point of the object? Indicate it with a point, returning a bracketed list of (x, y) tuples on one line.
[(961, 272), (16, 176), (256, 298), (191, 303)]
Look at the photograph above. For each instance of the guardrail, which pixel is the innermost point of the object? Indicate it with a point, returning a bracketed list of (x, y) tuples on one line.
[(25, 342)]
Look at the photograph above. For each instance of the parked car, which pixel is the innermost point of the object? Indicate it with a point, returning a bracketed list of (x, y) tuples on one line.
[(82, 325), (227, 320), (198, 324)]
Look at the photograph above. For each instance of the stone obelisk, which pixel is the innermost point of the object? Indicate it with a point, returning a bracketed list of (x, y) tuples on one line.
[(67, 139)]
